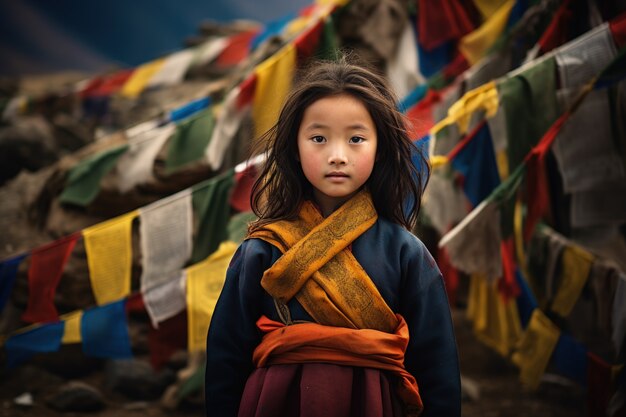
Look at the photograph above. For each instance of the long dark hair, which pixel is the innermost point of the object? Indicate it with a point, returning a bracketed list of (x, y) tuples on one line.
[(395, 184)]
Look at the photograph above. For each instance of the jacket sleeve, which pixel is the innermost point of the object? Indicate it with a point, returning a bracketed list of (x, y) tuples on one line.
[(232, 334), (431, 355)]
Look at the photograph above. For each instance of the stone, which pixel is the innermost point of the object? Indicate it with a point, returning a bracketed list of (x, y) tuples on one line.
[(77, 396)]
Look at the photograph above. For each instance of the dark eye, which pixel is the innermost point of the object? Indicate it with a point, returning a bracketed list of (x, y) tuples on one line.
[(318, 139), (356, 139)]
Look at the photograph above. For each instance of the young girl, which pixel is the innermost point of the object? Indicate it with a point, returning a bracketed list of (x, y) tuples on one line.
[(331, 307)]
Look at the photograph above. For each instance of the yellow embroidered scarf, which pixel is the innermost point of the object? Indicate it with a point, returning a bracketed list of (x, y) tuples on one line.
[(320, 271)]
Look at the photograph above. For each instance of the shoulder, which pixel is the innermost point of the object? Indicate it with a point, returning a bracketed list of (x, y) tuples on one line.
[(396, 237), (412, 256), (254, 252)]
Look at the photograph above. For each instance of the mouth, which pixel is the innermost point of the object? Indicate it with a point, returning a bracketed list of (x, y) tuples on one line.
[(337, 174)]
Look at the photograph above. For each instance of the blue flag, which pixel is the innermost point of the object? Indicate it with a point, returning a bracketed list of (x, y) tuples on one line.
[(104, 331), (8, 272), (22, 346)]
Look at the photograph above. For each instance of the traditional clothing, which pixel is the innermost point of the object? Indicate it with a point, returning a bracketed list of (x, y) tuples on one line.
[(378, 322)]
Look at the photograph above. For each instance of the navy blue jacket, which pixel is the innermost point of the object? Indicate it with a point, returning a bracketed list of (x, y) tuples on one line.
[(407, 277)]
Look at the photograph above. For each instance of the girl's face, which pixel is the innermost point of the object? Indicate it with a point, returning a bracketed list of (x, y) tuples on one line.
[(337, 149)]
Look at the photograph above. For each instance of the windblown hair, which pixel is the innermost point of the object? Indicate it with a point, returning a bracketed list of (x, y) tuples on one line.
[(395, 184)]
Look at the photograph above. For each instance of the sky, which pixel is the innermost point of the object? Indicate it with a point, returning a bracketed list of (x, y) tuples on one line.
[(43, 36)]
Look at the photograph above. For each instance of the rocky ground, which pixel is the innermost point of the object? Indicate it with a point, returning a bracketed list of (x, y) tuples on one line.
[(492, 384)]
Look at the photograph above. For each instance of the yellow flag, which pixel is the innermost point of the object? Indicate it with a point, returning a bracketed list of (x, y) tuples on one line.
[(274, 76), (575, 266), (535, 348), (71, 333), (488, 7), (476, 44), (141, 77), (484, 98), (109, 256), (204, 285), (502, 161), (496, 321)]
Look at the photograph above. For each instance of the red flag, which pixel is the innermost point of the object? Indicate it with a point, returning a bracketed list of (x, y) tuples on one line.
[(618, 30), (507, 285), (106, 84), (240, 197), (167, 339), (306, 43), (236, 50), (537, 192), (247, 89), (441, 21), (46, 267), (598, 385), (557, 32), (420, 116)]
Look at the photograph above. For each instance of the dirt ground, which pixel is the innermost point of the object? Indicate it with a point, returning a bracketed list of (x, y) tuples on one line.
[(499, 391)]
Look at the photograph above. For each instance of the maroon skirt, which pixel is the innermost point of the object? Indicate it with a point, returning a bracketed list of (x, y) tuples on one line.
[(319, 389)]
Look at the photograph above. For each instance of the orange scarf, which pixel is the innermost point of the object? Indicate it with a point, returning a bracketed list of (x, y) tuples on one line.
[(318, 268), (312, 342)]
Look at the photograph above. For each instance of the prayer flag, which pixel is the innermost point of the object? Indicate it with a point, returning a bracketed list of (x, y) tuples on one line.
[(189, 109), (328, 46), (190, 140), (170, 337), (240, 196), (476, 163), (474, 244), (104, 331), (274, 76), (570, 359), (308, 41), (529, 101), (140, 78), (403, 69), (212, 209), (599, 382), (22, 346), (535, 348), (618, 30), (229, 117), (441, 21), (495, 320), (420, 116), (618, 310), (166, 299), (173, 69), (483, 98), (237, 49), (246, 93), (575, 266), (526, 301), (273, 28), (8, 273), (477, 43), (166, 228), (109, 257), (488, 7), (204, 285), (136, 166), (444, 203), (238, 225), (208, 51), (71, 333), (106, 84), (83, 181), (435, 60), (44, 274)]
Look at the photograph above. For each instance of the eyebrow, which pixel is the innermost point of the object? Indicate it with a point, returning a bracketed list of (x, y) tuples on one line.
[(356, 126)]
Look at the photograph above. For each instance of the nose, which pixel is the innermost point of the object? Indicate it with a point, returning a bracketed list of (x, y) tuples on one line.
[(337, 155)]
